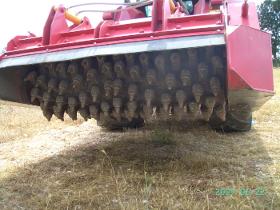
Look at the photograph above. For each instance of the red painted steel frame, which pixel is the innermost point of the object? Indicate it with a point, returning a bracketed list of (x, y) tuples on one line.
[(248, 49), (59, 36)]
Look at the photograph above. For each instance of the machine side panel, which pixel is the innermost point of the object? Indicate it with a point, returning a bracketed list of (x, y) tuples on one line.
[(249, 59)]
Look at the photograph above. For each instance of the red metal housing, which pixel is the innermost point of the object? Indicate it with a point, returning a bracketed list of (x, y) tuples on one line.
[(233, 23)]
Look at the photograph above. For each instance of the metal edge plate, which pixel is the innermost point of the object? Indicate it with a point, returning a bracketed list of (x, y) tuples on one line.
[(133, 47)]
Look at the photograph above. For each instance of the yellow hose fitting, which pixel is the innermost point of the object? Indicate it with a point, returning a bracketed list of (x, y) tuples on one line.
[(72, 18), (172, 6)]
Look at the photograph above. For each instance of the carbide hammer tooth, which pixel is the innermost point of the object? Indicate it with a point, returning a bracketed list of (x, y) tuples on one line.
[(210, 102), (77, 82), (41, 82), (144, 60), (166, 101), (47, 112), (72, 114), (131, 110), (221, 112), (132, 92), (151, 77), (60, 101), (95, 93), (63, 87), (197, 91), (84, 99), (35, 94), (194, 108), (107, 70), (48, 115), (160, 63), (215, 86), (100, 60), (117, 87), (84, 113), (87, 63), (175, 59), (181, 98), (52, 85), (61, 69), (202, 72), (105, 107), (186, 78), (47, 98), (120, 70), (117, 104), (91, 75), (108, 88), (72, 107), (73, 69), (149, 96), (130, 59), (134, 73), (170, 81), (58, 112), (94, 111)]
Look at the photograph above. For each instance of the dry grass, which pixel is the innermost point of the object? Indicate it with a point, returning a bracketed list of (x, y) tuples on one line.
[(18, 121), (79, 166)]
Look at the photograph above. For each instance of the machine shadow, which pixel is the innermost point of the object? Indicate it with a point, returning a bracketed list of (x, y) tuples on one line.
[(95, 175)]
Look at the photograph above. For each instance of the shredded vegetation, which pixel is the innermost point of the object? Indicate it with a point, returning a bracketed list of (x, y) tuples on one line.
[(80, 166)]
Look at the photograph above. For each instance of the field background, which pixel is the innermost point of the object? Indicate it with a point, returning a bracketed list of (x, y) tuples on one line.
[(77, 165)]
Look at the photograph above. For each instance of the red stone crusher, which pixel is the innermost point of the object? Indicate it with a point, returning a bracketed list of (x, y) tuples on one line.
[(161, 60)]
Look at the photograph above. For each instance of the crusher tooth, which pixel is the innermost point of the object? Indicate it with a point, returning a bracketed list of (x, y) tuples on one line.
[(145, 62), (130, 89)]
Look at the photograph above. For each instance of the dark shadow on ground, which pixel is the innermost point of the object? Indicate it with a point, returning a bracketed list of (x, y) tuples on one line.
[(163, 169)]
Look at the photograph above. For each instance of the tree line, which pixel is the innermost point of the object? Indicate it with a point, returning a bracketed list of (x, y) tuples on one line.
[(269, 15)]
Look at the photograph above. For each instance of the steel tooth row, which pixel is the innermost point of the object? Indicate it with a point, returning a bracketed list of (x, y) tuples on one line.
[(181, 85)]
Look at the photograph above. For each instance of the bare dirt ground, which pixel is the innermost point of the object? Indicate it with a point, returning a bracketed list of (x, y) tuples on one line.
[(76, 165)]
